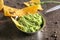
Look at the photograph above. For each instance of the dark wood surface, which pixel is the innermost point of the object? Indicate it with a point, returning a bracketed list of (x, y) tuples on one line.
[(50, 32)]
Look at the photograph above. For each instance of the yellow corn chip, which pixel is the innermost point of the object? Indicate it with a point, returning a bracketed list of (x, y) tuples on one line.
[(27, 10), (9, 11), (1, 4), (30, 9), (27, 3), (32, 2), (36, 1), (16, 22)]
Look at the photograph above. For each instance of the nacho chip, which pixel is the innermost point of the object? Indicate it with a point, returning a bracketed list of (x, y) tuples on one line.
[(1, 4), (9, 11), (16, 22), (34, 2), (20, 13), (27, 10), (38, 1), (30, 9), (27, 3)]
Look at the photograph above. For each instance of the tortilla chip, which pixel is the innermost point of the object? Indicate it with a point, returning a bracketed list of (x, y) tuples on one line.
[(27, 10), (20, 13), (1, 4), (9, 11), (32, 2), (30, 9), (40, 7), (27, 3), (38, 1), (6, 12), (16, 22)]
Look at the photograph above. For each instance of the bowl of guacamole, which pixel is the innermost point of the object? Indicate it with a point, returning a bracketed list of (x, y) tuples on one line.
[(30, 23)]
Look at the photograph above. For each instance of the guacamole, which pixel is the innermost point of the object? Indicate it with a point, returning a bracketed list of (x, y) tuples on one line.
[(30, 22)]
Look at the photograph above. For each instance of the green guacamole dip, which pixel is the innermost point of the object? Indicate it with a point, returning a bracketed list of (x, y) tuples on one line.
[(30, 22)]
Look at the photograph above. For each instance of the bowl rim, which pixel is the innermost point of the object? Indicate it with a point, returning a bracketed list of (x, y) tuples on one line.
[(39, 29)]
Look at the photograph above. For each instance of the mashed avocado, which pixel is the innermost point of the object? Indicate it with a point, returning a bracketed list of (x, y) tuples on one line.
[(30, 22)]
